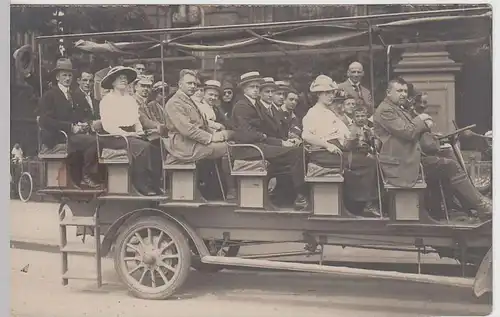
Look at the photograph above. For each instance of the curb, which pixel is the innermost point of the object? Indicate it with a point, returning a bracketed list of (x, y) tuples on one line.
[(34, 246)]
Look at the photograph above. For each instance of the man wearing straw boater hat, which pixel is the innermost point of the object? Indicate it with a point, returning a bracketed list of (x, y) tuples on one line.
[(253, 125), (190, 138), (58, 113)]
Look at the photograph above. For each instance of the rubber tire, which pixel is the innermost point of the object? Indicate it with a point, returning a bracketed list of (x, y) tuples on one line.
[(213, 268), (175, 234), (25, 174)]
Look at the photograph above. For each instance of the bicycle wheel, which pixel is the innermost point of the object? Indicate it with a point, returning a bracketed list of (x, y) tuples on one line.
[(25, 187)]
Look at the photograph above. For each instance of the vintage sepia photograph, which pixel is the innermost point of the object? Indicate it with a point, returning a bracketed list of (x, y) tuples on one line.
[(251, 160)]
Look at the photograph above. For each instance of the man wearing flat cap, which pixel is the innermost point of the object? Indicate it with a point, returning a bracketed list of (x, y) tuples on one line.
[(190, 138), (58, 112), (253, 123), (217, 119)]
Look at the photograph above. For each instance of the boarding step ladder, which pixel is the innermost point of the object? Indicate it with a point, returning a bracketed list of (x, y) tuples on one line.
[(92, 221)]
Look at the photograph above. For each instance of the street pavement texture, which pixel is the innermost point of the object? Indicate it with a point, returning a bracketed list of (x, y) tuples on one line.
[(39, 293), (37, 225)]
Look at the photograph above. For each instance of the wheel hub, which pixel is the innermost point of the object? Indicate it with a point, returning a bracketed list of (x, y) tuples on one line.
[(149, 258)]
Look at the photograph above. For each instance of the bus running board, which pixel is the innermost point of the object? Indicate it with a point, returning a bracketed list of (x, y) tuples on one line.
[(316, 268)]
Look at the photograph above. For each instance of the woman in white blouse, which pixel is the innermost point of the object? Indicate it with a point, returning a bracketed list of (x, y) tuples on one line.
[(120, 116), (327, 136)]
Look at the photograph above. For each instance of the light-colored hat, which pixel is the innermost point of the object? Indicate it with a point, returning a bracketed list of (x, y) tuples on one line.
[(159, 85), (323, 83), (281, 85), (145, 79), (267, 82), (107, 81), (250, 77), (213, 84), (63, 64)]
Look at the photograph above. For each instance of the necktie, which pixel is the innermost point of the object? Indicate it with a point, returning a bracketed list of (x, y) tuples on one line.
[(70, 99)]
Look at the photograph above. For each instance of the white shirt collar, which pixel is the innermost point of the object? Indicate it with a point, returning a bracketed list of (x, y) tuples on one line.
[(349, 79), (266, 105), (253, 101), (87, 94), (63, 89)]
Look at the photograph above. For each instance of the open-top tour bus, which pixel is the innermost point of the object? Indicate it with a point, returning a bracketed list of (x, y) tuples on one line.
[(156, 239)]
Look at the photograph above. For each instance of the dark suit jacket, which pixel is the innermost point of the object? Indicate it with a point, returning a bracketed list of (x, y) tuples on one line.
[(57, 113), (365, 93), (400, 135), (291, 124), (252, 124), (82, 105)]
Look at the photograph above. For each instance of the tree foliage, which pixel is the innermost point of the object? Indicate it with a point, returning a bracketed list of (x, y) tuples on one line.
[(78, 18)]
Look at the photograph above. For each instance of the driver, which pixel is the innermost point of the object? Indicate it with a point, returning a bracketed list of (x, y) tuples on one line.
[(446, 170), (401, 153)]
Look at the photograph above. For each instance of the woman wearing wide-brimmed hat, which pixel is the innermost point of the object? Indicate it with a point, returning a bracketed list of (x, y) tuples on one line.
[(328, 137), (120, 115)]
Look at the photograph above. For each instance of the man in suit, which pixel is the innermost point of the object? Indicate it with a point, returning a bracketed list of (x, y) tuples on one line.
[(352, 86), (189, 137), (290, 122), (84, 98), (401, 153), (58, 111), (254, 123)]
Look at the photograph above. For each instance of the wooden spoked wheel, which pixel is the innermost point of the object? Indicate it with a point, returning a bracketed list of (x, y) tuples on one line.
[(152, 258)]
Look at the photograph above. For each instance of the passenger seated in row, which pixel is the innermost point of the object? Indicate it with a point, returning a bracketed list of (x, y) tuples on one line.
[(291, 123), (58, 113), (189, 137), (208, 105), (120, 116), (152, 115), (401, 154), (328, 137), (254, 122)]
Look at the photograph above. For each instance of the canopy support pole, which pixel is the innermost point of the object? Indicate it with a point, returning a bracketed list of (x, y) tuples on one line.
[(372, 77), (40, 67), (162, 71)]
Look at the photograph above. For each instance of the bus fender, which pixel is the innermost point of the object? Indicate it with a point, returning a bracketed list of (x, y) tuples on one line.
[(483, 281), (129, 217)]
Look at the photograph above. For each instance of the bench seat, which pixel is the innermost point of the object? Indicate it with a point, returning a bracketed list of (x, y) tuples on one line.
[(114, 156), (59, 151)]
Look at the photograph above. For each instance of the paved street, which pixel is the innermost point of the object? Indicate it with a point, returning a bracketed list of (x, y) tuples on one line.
[(39, 293)]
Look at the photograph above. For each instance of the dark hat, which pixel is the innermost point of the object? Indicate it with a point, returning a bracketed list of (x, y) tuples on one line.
[(227, 85), (249, 77), (340, 94), (63, 64), (108, 80)]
